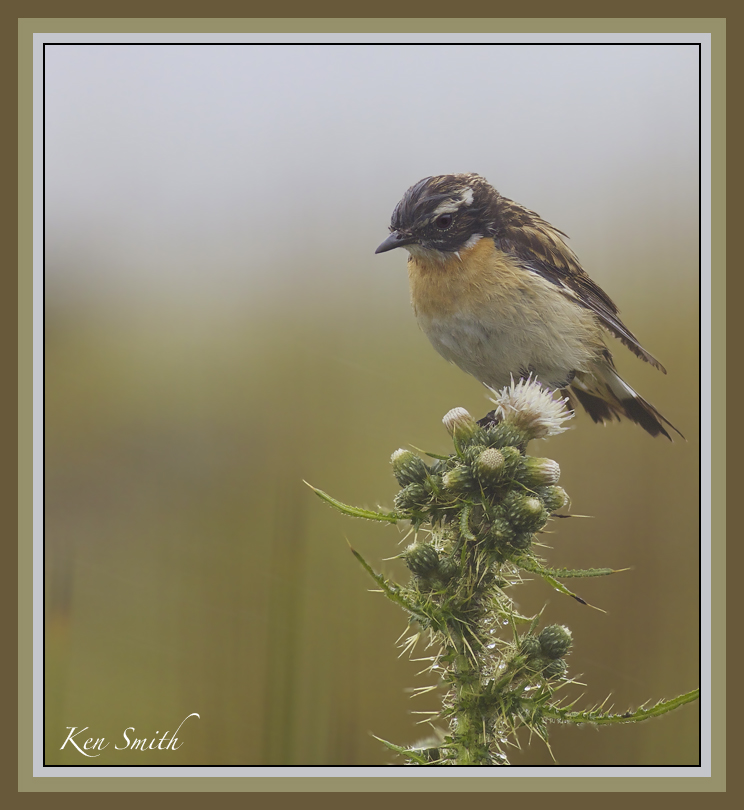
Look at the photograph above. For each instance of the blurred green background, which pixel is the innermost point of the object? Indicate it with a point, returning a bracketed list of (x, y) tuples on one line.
[(218, 329)]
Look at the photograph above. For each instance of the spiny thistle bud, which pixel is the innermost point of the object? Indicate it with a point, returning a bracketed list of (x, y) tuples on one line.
[(448, 568), (553, 498), (532, 408), (512, 460), (461, 426), (414, 496), (555, 641), (500, 532), (408, 468), (525, 512), (521, 540), (530, 646), (536, 472), (459, 479), (555, 669), (422, 559), (439, 466), (490, 465), (505, 434)]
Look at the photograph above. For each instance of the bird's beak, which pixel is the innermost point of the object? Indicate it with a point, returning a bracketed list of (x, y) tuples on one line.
[(396, 239)]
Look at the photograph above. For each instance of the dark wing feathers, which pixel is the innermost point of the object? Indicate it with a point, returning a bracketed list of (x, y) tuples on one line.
[(540, 248), (593, 297)]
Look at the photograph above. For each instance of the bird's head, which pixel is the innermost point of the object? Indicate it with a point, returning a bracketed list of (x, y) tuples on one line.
[(439, 216)]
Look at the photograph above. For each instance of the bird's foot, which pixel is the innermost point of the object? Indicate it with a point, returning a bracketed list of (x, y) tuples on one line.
[(489, 420)]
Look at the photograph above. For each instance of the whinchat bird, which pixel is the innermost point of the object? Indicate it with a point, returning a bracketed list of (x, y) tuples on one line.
[(500, 294)]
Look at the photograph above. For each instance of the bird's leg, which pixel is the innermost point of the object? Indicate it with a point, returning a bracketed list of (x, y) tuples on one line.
[(490, 419)]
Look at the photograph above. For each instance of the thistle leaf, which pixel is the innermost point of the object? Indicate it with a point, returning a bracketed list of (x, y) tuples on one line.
[(404, 752), (535, 568), (355, 511), (595, 717)]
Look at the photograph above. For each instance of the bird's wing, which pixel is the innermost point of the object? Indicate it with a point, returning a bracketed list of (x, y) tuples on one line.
[(540, 248)]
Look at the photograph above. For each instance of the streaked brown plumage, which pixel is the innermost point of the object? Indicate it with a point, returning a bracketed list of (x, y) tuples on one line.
[(500, 294)]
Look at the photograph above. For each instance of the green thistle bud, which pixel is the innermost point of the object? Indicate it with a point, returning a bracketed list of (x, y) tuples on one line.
[(490, 466), (536, 472), (461, 426), (521, 540), (439, 466), (414, 496), (505, 434), (525, 512), (553, 498), (500, 532), (422, 559), (459, 479), (555, 641), (530, 646), (408, 468), (512, 461), (448, 568), (555, 669)]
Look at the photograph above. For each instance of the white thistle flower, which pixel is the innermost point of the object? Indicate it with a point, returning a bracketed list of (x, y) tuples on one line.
[(460, 424), (456, 416), (536, 410)]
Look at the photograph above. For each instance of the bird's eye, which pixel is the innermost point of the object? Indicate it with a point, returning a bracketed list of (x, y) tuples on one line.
[(443, 222)]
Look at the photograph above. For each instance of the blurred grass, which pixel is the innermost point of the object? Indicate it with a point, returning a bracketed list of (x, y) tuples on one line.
[(188, 569)]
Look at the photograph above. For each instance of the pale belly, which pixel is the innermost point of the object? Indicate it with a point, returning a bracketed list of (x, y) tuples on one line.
[(494, 349)]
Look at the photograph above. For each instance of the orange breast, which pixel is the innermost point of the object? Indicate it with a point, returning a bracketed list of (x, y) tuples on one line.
[(482, 276)]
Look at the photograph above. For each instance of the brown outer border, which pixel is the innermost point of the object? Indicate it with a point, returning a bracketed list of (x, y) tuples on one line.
[(76, 21)]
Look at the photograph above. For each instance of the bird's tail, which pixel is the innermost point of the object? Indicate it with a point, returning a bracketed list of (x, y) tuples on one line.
[(605, 396)]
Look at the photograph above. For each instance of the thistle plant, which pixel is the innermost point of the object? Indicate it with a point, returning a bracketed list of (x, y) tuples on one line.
[(475, 519)]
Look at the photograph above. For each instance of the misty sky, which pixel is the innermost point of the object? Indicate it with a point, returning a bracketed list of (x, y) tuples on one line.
[(215, 169)]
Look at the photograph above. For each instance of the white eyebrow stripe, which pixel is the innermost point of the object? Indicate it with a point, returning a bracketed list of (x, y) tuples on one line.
[(447, 207), (451, 206)]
